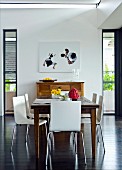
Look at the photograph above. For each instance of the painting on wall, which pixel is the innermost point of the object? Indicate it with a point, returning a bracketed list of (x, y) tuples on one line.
[(59, 56)]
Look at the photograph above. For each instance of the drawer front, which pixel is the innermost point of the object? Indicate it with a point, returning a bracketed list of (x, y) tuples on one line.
[(44, 87), (62, 87)]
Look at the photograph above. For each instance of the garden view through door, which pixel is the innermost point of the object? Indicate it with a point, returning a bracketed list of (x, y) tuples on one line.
[(108, 72)]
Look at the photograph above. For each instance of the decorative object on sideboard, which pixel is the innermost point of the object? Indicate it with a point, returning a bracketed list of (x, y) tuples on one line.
[(48, 79), (74, 94), (57, 94), (76, 73)]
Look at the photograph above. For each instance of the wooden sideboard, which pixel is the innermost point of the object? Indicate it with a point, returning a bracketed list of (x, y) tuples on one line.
[(44, 88)]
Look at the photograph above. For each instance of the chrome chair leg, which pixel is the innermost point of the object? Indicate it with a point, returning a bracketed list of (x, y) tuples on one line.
[(76, 161), (52, 139), (72, 137), (13, 138), (84, 148), (48, 154), (76, 142), (97, 134), (102, 138), (46, 129), (73, 141), (13, 162), (27, 130)]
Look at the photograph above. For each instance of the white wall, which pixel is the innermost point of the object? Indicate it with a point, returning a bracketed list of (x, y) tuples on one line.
[(34, 25)]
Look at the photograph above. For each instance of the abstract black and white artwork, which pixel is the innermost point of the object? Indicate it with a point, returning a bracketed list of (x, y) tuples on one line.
[(59, 56)]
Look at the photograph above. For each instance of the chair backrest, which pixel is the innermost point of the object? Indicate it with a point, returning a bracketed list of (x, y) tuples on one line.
[(19, 106), (65, 116), (27, 104), (99, 111), (94, 97)]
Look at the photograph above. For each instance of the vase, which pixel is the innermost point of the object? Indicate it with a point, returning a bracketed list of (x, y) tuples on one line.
[(55, 96)]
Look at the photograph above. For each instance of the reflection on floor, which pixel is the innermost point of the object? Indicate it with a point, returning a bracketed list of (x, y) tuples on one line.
[(63, 156)]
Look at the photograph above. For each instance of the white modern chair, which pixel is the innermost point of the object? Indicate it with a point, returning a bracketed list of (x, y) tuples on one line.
[(94, 98), (99, 117), (66, 117), (30, 114), (20, 116), (87, 115)]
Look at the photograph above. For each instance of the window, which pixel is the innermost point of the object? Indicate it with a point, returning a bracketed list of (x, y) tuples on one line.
[(10, 68), (108, 72)]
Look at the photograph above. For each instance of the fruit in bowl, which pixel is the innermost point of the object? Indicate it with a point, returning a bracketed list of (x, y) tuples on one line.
[(47, 78)]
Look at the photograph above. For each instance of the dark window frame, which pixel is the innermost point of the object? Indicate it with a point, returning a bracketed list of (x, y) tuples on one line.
[(118, 68), (4, 60)]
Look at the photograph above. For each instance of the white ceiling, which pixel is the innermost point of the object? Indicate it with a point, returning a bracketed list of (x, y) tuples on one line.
[(52, 1), (114, 20)]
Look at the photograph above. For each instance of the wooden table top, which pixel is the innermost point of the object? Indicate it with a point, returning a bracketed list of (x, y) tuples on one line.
[(46, 101)]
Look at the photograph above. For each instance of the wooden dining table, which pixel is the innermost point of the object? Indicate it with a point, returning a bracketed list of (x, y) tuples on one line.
[(42, 106)]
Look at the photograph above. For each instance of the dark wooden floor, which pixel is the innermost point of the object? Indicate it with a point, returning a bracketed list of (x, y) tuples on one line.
[(63, 156)]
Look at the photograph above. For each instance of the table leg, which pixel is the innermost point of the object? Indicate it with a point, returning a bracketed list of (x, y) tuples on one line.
[(36, 132), (93, 131)]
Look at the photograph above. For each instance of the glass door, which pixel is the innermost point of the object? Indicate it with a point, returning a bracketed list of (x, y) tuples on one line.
[(108, 72)]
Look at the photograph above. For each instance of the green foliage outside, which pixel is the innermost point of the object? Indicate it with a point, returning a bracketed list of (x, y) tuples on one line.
[(108, 78), (7, 87)]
